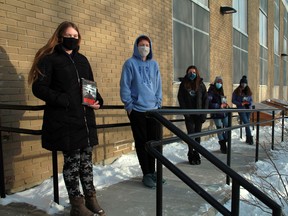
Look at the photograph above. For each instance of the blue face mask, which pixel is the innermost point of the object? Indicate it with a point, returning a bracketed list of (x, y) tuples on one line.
[(218, 85), (192, 76)]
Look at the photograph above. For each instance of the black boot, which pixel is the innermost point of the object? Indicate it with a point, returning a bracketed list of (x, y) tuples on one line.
[(247, 139), (250, 140), (194, 158), (223, 148)]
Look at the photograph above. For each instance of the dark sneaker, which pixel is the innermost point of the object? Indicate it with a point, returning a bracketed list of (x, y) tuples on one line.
[(155, 178), (148, 181)]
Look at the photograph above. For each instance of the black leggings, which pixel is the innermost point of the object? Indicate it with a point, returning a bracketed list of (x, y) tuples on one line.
[(78, 166)]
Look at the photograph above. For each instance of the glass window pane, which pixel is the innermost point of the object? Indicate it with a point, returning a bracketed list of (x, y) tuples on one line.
[(285, 24), (276, 15), (201, 18), (264, 6), (244, 63), (276, 41), (243, 15), (182, 10), (263, 66), (244, 42), (263, 29), (237, 74), (182, 42), (276, 70), (202, 2), (236, 38), (201, 54), (285, 73)]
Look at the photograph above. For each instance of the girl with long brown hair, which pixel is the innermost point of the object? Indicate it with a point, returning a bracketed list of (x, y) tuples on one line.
[(192, 94), (68, 125)]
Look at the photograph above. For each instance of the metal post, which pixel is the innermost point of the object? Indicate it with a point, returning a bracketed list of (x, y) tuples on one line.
[(229, 146), (273, 127), (253, 118), (235, 198), (257, 136), (159, 190), (55, 176), (282, 136), (2, 176)]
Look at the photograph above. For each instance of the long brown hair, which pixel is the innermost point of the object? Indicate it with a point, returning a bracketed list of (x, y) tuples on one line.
[(243, 91), (188, 84), (56, 38)]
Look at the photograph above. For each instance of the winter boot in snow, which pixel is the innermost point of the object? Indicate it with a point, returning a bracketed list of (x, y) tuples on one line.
[(247, 139), (78, 207), (92, 204), (194, 158), (250, 140), (223, 147)]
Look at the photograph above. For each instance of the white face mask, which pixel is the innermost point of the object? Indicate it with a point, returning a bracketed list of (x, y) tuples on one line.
[(144, 50)]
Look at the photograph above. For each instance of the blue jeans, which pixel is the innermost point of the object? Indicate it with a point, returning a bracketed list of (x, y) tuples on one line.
[(245, 118), (221, 123)]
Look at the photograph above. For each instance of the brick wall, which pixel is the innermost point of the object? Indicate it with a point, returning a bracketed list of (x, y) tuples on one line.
[(221, 43), (108, 29)]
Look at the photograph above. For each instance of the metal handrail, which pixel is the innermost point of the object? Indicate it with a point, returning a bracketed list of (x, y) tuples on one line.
[(167, 110), (155, 148), (39, 132)]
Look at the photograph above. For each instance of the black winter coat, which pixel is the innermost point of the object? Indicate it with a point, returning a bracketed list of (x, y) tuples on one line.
[(67, 124), (199, 101), (215, 101)]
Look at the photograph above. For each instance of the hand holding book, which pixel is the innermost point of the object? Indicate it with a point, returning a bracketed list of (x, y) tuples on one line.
[(95, 106), (89, 92)]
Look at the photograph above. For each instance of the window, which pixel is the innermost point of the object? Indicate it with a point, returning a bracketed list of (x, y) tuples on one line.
[(263, 40), (191, 37), (240, 18), (240, 40), (263, 29), (285, 23), (276, 43)]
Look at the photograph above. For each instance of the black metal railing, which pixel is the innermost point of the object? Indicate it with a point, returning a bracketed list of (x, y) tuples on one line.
[(155, 148), (167, 110), (38, 132)]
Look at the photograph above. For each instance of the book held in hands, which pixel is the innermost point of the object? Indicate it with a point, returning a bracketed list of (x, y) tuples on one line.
[(89, 91)]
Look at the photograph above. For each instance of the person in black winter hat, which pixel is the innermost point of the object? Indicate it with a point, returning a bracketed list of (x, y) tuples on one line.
[(243, 80), (242, 98)]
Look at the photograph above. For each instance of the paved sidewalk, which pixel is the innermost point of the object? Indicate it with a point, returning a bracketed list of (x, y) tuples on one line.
[(131, 198)]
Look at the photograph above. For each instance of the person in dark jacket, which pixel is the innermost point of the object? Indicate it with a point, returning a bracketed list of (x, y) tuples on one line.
[(242, 98), (68, 126), (217, 100), (192, 94)]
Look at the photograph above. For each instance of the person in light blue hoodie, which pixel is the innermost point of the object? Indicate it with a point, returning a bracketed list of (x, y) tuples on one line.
[(140, 91)]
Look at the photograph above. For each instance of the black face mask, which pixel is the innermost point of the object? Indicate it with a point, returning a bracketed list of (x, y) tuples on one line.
[(70, 43)]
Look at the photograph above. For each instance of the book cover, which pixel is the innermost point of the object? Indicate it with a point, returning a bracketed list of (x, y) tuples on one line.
[(89, 91)]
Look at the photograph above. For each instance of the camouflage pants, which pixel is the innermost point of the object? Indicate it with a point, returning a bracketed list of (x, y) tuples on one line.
[(78, 166)]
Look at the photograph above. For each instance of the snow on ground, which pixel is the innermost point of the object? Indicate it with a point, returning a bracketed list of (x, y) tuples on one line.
[(126, 167)]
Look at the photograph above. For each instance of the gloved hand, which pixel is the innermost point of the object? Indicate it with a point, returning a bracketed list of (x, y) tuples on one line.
[(244, 103)]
